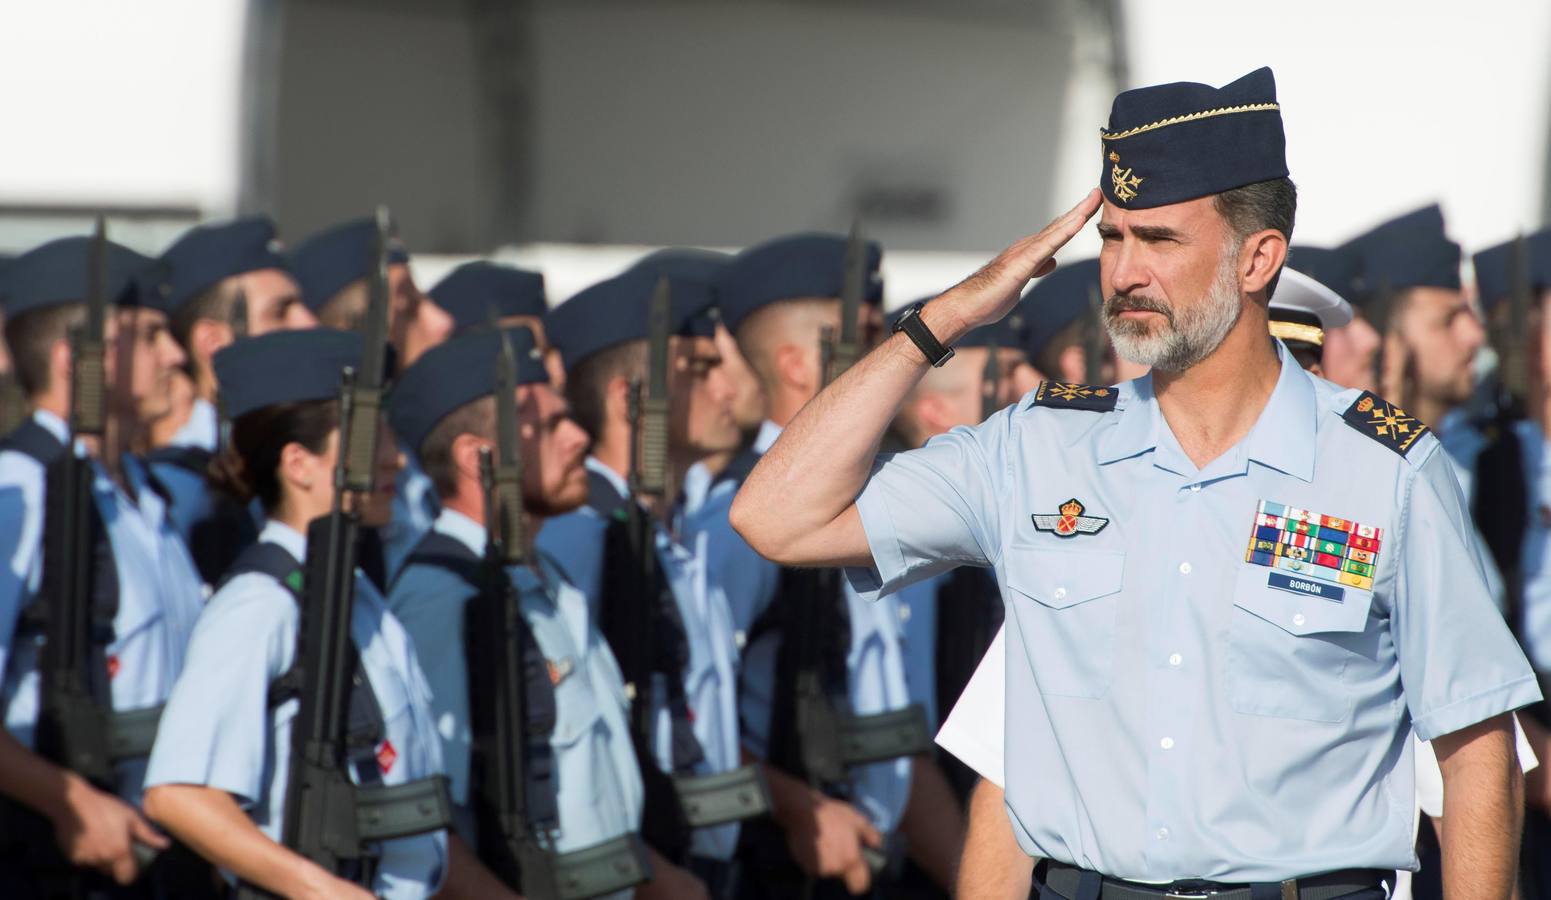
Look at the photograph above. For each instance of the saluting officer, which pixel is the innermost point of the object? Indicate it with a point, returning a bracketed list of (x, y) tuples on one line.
[(144, 586), (1233, 589), (218, 775)]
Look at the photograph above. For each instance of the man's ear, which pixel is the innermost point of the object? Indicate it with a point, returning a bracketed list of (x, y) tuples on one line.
[(795, 369), (616, 400), (465, 455), (205, 338), (1261, 258)]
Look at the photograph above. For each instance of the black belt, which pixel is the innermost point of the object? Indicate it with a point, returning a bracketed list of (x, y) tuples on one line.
[(1067, 881)]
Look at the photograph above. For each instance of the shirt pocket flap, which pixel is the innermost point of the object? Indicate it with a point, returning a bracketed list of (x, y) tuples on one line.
[(1063, 578), (1301, 605)]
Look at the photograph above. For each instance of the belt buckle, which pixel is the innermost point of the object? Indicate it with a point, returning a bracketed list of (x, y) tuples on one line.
[(1188, 893)]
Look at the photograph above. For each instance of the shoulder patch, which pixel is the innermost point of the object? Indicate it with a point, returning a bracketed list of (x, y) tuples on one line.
[(1061, 395), (1384, 422)]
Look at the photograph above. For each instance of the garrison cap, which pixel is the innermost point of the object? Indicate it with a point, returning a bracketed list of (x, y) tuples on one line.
[(1339, 269), (1302, 309), (456, 372), (55, 274), (1406, 252), (1175, 142), (1494, 268), (1058, 300), (799, 265), (473, 290), (284, 367), (207, 254), (327, 262), (613, 312)]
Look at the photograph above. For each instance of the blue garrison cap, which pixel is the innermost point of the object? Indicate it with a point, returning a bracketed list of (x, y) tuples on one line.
[(1058, 300), (453, 373), (1406, 252), (284, 367), (614, 312), (1175, 142), (798, 265), (56, 274), (207, 254), (327, 262), (473, 290), (1339, 269), (1494, 268)]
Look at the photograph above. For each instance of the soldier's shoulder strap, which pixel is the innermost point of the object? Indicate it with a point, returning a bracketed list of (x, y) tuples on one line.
[(191, 459), (1067, 395), (31, 439), (738, 469), (603, 496), (443, 551), (1385, 423)]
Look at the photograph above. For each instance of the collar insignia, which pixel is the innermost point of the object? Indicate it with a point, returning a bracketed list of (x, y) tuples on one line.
[(1070, 522), (1384, 422), (1094, 398)]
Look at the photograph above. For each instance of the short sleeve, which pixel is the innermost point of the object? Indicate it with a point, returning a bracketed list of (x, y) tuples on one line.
[(429, 604), (215, 730), (975, 730), (1459, 664), (929, 510)]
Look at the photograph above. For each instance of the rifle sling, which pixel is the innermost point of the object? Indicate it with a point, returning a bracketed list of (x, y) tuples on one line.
[(884, 736)]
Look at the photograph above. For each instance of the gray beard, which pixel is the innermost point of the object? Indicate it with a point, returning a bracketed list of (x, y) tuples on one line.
[(1187, 336)]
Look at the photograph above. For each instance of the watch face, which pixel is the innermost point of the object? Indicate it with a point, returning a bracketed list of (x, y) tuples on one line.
[(899, 323)]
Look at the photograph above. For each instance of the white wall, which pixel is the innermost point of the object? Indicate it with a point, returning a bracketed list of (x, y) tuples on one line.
[(1388, 104)]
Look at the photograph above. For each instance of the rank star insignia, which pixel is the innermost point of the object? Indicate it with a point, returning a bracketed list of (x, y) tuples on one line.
[(1065, 395), (1384, 422), (1123, 182), (1070, 522)]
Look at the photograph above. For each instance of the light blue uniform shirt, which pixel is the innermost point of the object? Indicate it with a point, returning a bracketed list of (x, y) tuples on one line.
[(414, 510), (158, 592), (191, 500), (875, 677), (747, 579), (575, 542), (219, 729), (918, 631), (599, 784), (1171, 713)]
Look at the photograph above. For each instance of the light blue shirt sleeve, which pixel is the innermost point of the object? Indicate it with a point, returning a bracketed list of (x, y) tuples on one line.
[(932, 509), (1459, 663), (429, 603), (215, 730)]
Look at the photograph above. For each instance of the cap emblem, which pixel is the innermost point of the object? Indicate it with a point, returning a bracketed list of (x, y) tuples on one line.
[(1122, 181)]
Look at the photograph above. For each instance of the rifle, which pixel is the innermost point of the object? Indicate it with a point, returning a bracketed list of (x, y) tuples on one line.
[(508, 841), (320, 819), (238, 317), (1511, 335), (1094, 339), (844, 352), (991, 382)]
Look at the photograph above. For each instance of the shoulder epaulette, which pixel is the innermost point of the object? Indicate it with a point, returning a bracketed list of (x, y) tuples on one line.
[(1384, 422), (1061, 395)]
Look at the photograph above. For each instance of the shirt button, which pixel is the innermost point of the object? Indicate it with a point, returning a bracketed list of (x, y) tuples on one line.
[(1167, 743), (1298, 619), (1175, 659), (1060, 593), (1184, 568), (1163, 834)]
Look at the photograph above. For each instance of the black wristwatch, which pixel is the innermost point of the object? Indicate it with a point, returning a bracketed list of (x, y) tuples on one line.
[(910, 323)]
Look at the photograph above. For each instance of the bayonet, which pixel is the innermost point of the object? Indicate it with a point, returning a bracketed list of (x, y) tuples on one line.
[(366, 391), (652, 476), (238, 319), (506, 470), (991, 382), (1094, 343), (88, 381), (1512, 361)]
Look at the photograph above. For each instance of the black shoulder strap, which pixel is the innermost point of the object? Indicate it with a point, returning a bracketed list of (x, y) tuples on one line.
[(191, 459), (1501, 508), (738, 470), (443, 551), (35, 441), (603, 497)]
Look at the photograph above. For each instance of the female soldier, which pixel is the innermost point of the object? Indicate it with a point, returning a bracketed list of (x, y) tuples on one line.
[(218, 773)]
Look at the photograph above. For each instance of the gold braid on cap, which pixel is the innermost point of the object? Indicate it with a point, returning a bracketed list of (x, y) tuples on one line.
[(1297, 331), (1189, 117)]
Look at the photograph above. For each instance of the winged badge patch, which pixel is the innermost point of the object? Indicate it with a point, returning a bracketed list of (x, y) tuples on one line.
[(1070, 522)]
